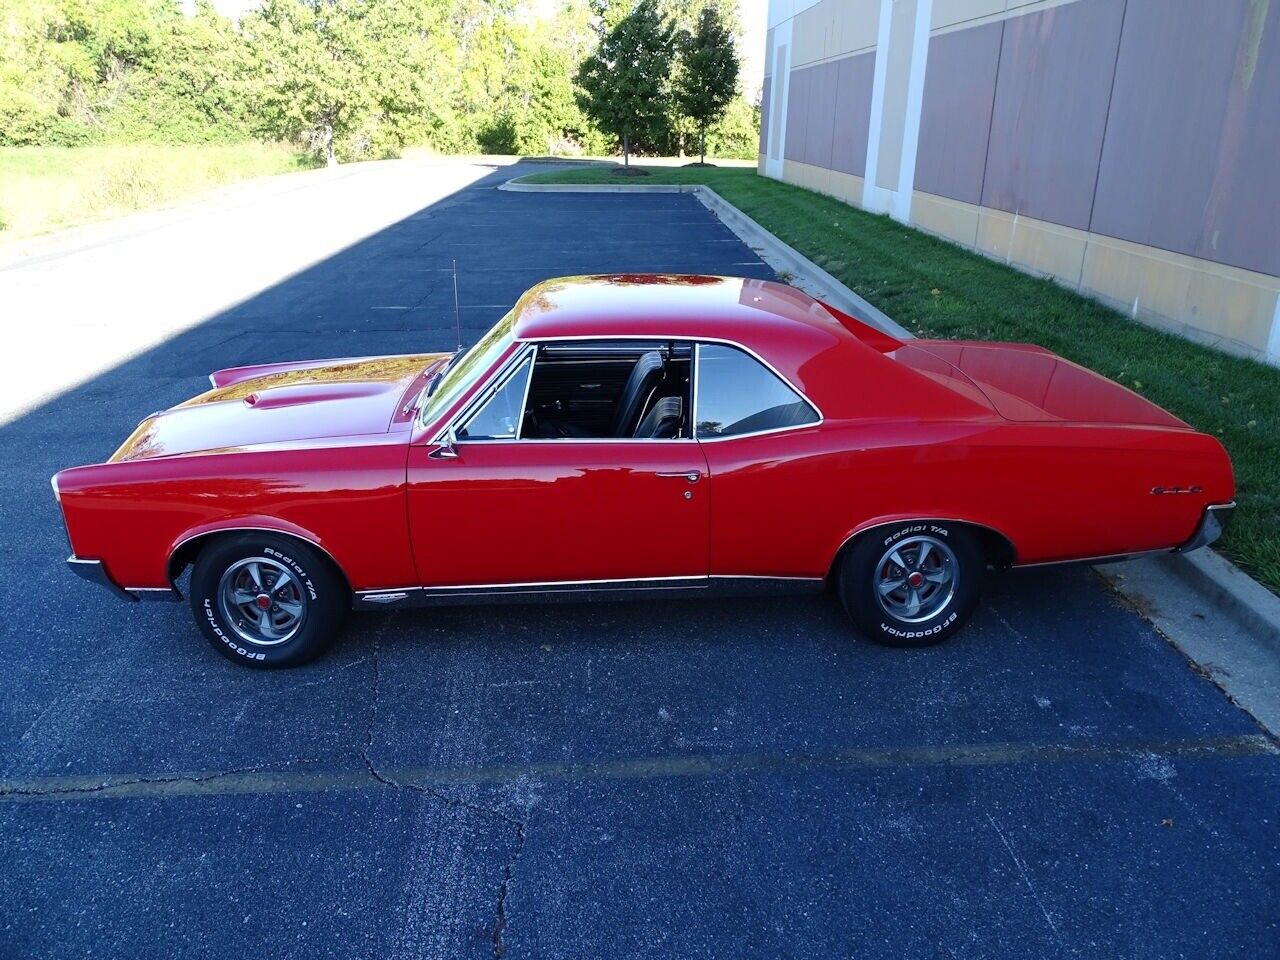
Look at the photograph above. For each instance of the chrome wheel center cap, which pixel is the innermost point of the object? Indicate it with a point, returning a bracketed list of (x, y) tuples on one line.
[(262, 601), (916, 578)]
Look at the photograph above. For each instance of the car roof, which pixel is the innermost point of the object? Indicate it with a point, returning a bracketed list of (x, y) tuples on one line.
[(840, 363), (688, 306)]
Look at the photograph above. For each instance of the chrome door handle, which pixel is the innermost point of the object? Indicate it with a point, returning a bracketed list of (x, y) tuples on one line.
[(690, 475)]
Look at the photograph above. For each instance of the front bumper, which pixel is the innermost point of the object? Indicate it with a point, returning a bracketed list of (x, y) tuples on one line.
[(1215, 519), (95, 572)]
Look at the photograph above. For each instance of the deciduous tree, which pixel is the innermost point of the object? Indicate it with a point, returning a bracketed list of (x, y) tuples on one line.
[(708, 79), (624, 87)]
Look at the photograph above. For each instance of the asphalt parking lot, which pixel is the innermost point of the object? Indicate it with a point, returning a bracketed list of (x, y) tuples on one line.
[(716, 779)]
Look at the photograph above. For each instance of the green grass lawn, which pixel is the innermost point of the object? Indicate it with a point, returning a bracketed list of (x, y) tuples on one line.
[(48, 188), (935, 288)]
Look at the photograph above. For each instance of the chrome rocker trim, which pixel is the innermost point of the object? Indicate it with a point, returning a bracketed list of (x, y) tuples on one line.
[(1216, 517), (94, 572), (584, 590)]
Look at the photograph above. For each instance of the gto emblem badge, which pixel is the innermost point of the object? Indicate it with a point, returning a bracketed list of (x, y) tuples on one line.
[(1157, 491), (383, 597)]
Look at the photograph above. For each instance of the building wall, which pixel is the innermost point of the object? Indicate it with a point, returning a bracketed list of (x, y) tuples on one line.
[(1128, 148)]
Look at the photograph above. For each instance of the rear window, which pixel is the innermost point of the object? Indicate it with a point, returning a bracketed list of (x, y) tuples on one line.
[(737, 395)]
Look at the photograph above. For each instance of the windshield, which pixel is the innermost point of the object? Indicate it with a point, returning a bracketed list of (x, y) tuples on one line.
[(462, 371)]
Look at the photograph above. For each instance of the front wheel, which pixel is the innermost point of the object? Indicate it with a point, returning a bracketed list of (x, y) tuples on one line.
[(264, 600), (914, 584)]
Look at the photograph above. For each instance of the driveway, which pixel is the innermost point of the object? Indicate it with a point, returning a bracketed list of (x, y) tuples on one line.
[(714, 779)]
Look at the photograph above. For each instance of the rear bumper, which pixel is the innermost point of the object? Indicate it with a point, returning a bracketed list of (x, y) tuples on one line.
[(94, 572), (1215, 519)]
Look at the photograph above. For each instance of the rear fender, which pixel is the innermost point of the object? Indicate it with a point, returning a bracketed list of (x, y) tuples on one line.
[(999, 549)]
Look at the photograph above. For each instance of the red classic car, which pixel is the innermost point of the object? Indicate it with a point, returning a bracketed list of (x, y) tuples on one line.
[(636, 435)]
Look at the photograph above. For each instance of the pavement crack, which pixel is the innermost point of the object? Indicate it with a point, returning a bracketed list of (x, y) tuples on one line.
[(117, 784), (508, 869)]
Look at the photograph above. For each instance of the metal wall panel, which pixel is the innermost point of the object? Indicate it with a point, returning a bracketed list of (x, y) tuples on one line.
[(1191, 161), (820, 124), (764, 115), (854, 79), (955, 120), (797, 112), (1052, 90)]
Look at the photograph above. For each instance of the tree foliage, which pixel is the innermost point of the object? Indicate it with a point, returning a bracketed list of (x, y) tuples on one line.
[(708, 77), (626, 84), (348, 79)]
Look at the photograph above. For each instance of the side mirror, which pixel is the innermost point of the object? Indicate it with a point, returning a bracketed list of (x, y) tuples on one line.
[(448, 448)]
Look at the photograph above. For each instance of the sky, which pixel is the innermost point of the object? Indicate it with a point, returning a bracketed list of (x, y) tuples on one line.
[(754, 15), (751, 13)]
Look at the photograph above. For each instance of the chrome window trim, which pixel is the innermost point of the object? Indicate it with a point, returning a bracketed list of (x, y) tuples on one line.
[(724, 341), (480, 396), (693, 424), (528, 384), (420, 417), (492, 385), (491, 389), (566, 441), (530, 347)]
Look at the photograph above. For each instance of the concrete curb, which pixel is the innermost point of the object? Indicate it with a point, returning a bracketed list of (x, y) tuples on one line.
[(806, 275), (1219, 585), (1225, 624), (1231, 590)]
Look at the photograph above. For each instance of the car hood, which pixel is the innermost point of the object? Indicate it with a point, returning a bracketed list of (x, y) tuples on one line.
[(277, 403)]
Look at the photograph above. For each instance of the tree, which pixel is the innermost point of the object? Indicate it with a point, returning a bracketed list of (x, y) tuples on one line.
[(708, 78), (312, 55), (624, 87)]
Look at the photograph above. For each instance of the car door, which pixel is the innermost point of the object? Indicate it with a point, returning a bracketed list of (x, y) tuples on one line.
[(493, 509), (779, 489)]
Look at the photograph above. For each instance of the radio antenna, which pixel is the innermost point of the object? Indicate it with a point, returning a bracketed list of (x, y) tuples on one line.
[(457, 313)]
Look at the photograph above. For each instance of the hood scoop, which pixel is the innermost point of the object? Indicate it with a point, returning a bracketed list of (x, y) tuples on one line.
[(303, 394)]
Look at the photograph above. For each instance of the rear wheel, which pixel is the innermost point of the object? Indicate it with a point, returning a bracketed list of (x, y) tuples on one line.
[(263, 600), (913, 584)]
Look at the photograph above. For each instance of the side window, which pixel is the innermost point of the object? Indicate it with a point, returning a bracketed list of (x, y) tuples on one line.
[(737, 394), (499, 418)]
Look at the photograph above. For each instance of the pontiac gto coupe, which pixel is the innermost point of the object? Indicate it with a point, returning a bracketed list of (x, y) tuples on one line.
[(637, 435)]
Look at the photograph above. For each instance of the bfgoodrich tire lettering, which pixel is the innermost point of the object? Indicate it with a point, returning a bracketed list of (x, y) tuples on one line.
[(264, 600), (912, 584)]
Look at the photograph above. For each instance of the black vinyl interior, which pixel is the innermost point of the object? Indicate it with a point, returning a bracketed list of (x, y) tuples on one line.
[(614, 389)]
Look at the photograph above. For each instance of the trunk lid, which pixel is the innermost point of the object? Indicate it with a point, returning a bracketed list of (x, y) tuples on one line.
[(1026, 383)]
